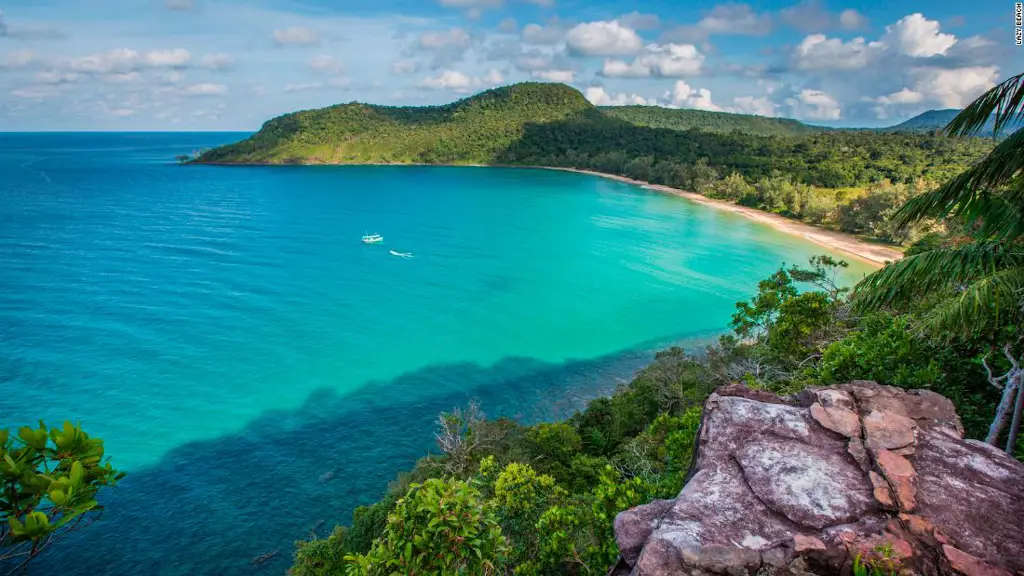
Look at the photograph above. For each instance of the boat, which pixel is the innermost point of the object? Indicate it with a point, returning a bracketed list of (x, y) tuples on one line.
[(401, 254), (372, 239)]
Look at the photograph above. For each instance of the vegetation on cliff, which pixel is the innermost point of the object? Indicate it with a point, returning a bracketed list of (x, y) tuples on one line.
[(684, 119)]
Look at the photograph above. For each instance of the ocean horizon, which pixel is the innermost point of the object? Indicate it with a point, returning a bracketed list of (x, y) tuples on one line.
[(259, 372)]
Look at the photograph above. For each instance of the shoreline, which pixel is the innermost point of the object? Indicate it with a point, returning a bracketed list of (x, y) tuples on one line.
[(874, 254)]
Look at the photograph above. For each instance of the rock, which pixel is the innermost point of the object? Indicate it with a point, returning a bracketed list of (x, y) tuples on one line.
[(886, 430), (841, 420), (634, 526), (882, 492), (803, 543), (787, 485), (968, 565), (901, 477)]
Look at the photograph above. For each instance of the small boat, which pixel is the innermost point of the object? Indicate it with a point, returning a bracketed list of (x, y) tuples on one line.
[(372, 239), (401, 254)]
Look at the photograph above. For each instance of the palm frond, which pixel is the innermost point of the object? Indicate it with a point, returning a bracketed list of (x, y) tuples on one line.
[(1005, 101), (921, 274), (961, 196), (990, 302)]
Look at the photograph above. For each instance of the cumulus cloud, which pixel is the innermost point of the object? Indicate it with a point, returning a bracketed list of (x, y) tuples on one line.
[(682, 95), (296, 36), (217, 62), (916, 36), (723, 19), (564, 76), (815, 105), (456, 37), (817, 52), (669, 60), (954, 88), (55, 77), (807, 16), (459, 82), (326, 64), (205, 89), (902, 97), (603, 39), (546, 35), (599, 97), (508, 26), (760, 106)]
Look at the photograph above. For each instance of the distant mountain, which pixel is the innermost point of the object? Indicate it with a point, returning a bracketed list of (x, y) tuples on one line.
[(933, 120), (679, 119)]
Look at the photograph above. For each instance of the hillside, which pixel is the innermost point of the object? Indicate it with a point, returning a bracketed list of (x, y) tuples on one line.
[(472, 130), (680, 119), (933, 120)]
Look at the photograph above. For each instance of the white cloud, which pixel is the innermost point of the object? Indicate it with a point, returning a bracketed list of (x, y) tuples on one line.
[(954, 88), (456, 37), (17, 59), (668, 60), (543, 35), (326, 64), (815, 105), (735, 19), (682, 95), (123, 60), (850, 19), (916, 36), (400, 67), (493, 77), (217, 62), (459, 82), (598, 97), (36, 92), (331, 83), (122, 78), (902, 97), (564, 76), (603, 39), (816, 52), (296, 36), (750, 105), (532, 61), (55, 77), (807, 16), (205, 89)]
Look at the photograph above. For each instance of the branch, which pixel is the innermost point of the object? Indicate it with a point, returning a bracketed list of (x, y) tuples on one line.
[(993, 380)]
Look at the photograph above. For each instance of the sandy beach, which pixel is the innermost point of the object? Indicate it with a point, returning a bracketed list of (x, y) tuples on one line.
[(875, 254)]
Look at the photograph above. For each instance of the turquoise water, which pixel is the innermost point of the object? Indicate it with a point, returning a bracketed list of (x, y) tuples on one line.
[(258, 371)]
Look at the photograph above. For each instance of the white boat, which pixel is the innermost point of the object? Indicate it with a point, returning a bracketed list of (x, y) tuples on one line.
[(401, 254), (372, 239)]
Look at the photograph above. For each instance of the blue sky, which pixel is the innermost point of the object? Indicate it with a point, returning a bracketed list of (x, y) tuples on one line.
[(232, 64)]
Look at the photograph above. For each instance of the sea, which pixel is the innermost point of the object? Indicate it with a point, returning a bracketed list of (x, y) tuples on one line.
[(258, 371)]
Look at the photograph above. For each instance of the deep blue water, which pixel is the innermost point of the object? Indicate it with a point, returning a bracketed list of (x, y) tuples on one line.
[(258, 371)]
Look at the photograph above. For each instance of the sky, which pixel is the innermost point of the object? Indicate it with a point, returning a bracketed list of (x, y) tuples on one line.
[(233, 64)]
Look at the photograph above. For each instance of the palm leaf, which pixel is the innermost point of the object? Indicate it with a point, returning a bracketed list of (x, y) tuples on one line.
[(919, 275), (1005, 101), (989, 302), (964, 195)]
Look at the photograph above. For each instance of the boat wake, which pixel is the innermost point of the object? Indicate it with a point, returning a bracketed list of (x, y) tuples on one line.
[(401, 254)]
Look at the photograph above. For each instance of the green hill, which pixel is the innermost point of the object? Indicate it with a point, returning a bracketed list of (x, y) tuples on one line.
[(543, 124), (680, 119), (934, 120), (472, 130)]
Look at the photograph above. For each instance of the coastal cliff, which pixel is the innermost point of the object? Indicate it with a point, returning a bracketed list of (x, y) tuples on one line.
[(856, 473)]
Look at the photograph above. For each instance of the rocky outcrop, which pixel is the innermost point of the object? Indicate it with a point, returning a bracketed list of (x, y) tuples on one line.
[(809, 484)]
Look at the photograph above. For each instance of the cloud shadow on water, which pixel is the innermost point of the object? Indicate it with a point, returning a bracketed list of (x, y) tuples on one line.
[(212, 506)]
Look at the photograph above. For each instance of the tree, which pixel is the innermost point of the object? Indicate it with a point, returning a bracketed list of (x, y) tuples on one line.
[(439, 527), (49, 479), (973, 289)]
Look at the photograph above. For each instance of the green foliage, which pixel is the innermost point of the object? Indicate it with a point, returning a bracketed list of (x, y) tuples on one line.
[(321, 556), (439, 527), (676, 119), (49, 480)]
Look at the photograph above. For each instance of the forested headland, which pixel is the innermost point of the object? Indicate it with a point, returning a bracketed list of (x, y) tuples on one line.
[(846, 180)]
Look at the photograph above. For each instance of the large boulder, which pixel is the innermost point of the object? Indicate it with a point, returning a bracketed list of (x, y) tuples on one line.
[(808, 484)]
